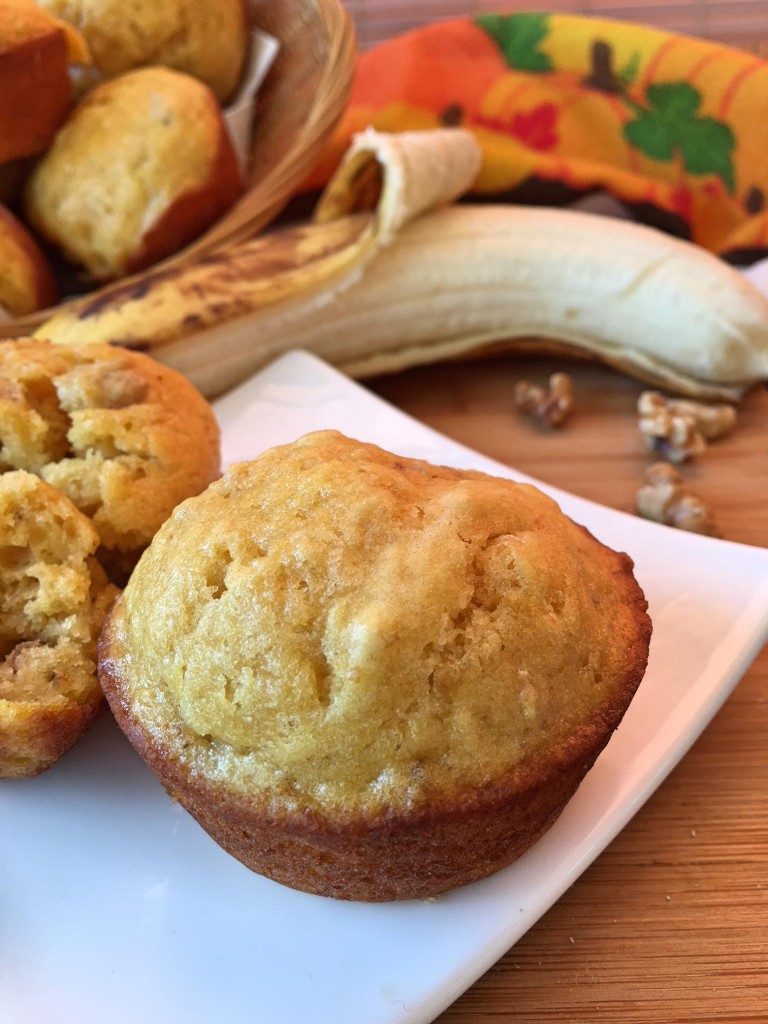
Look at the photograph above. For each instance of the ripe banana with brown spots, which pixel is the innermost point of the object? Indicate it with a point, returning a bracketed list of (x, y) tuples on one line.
[(390, 274)]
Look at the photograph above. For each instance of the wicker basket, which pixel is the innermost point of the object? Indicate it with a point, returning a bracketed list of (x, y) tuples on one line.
[(297, 108)]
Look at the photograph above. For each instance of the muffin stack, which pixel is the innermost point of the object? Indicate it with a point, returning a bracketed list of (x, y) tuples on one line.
[(97, 447)]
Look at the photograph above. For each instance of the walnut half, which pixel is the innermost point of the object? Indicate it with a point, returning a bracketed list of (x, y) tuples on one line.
[(678, 429), (663, 499), (550, 407)]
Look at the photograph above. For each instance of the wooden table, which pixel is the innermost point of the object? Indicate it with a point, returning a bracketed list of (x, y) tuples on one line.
[(671, 922)]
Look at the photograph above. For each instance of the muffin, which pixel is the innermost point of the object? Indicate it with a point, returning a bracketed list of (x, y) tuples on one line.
[(207, 40), (125, 438), (142, 166), (53, 598), (26, 281), (35, 53), (369, 677)]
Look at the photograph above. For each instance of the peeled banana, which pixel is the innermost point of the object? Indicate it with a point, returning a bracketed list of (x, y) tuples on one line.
[(382, 281)]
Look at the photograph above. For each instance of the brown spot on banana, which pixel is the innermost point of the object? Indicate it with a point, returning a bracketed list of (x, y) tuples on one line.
[(234, 282)]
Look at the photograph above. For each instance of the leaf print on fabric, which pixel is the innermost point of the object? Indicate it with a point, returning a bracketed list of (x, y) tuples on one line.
[(518, 36), (651, 136), (672, 124), (630, 71), (674, 100), (706, 145)]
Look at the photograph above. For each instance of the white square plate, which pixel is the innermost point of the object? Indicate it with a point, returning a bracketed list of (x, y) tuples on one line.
[(115, 906)]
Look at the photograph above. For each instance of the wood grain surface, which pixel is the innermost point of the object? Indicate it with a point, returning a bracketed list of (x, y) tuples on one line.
[(670, 924)]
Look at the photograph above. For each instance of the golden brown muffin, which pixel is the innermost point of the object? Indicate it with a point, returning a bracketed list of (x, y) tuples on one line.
[(369, 677), (125, 438), (53, 598), (26, 281), (206, 39), (35, 52), (141, 167)]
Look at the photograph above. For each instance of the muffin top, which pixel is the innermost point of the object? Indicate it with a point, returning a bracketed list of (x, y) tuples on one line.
[(334, 626), (125, 438)]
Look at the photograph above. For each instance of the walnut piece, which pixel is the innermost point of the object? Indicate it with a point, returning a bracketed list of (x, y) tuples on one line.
[(550, 407), (678, 429), (713, 421), (664, 499)]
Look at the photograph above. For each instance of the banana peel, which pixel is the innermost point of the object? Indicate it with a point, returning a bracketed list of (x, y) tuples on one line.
[(390, 273)]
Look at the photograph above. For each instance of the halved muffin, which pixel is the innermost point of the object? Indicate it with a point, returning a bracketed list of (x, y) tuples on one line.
[(370, 677), (53, 598)]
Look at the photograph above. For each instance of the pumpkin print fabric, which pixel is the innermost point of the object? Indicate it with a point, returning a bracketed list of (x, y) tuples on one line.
[(563, 106)]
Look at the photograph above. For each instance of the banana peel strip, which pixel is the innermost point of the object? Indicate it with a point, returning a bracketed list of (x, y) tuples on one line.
[(400, 177), (384, 183), (381, 280)]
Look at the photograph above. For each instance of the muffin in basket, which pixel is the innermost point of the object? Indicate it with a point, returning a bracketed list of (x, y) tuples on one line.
[(205, 39), (125, 438), (35, 93), (26, 281), (141, 167), (53, 598), (369, 677)]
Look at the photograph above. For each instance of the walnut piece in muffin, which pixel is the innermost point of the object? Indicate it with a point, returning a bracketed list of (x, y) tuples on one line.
[(53, 599)]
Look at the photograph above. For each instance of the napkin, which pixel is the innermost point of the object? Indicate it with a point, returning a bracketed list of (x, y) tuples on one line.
[(564, 106)]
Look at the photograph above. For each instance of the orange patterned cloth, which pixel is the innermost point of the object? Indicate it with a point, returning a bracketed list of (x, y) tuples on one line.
[(562, 106)]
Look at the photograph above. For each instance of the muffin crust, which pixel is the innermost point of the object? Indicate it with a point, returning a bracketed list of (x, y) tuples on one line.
[(34, 84), (26, 281)]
